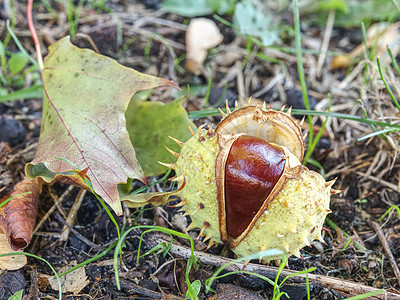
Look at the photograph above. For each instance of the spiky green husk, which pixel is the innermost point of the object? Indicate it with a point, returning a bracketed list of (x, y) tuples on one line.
[(197, 163), (293, 219)]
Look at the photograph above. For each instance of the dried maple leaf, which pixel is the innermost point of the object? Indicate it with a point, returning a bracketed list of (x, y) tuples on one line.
[(83, 139), (83, 123)]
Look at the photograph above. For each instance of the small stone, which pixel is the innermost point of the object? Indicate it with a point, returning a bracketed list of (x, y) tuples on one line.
[(11, 131)]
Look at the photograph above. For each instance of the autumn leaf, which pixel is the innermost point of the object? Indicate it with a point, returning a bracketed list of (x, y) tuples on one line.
[(72, 282), (83, 123), (150, 124), (19, 215), (14, 262)]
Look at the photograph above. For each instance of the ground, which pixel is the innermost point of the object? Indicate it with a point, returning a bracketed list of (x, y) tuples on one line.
[(360, 246)]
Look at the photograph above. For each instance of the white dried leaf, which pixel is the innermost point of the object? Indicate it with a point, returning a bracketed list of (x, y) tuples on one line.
[(202, 34), (9, 262), (73, 282)]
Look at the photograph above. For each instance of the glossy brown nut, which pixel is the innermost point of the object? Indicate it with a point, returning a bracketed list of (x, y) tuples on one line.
[(253, 167)]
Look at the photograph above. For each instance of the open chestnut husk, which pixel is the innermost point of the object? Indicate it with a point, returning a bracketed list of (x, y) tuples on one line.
[(245, 185)]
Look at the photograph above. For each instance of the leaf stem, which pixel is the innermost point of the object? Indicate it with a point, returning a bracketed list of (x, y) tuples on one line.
[(34, 35)]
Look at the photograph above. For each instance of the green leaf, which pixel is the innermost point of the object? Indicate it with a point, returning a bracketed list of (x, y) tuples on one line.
[(196, 285), (339, 5), (251, 19), (188, 8), (2, 55), (196, 8), (17, 295), (3, 93), (350, 13), (34, 91), (86, 95), (150, 124), (17, 63)]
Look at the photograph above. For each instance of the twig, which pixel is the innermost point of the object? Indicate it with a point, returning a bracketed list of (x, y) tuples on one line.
[(34, 290), (352, 288), (78, 235), (386, 247), (381, 181), (50, 211), (72, 215), (129, 285), (325, 43)]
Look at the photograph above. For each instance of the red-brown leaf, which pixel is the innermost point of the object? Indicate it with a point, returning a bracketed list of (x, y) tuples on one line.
[(20, 213)]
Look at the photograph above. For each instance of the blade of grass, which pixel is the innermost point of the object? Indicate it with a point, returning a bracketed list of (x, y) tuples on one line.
[(389, 90), (394, 61), (19, 45), (118, 247), (345, 234), (276, 285), (45, 261), (318, 165), (366, 295), (364, 35), (2, 56), (371, 125), (271, 252), (300, 70), (8, 199), (98, 256), (379, 132), (314, 143), (214, 112), (34, 91), (153, 249), (389, 210), (191, 262)]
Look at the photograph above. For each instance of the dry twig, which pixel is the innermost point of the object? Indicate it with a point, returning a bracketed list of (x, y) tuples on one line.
[(72, 215), (386, 247), (78, 235), (344, 286)]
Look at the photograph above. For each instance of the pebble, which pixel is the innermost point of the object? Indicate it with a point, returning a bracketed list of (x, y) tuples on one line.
[(11, 131)]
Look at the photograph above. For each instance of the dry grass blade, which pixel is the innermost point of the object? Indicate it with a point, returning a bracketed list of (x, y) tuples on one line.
[(386, 246)]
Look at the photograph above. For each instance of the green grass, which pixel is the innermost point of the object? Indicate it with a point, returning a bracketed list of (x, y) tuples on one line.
[(46, 262), (12, 197), (17, 295), (393, 207), (15, 66)]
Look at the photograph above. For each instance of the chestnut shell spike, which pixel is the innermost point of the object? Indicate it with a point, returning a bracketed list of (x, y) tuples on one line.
[(244, 184)]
